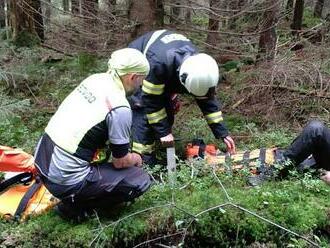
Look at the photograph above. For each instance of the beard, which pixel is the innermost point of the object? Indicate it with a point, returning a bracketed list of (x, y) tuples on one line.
[(131, 91)]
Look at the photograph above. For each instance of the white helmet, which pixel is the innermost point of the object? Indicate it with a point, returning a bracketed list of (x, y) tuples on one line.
[(199, 73)]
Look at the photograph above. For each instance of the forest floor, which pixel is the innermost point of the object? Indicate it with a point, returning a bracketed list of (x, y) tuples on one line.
[(206, 208)]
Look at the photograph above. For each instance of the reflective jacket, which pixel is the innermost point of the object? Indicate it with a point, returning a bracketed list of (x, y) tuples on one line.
[(165, 51), (81, 133)]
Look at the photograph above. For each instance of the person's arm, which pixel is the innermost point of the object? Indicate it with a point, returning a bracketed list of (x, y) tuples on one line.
[(213, 115), (154, 100), (119, 122)]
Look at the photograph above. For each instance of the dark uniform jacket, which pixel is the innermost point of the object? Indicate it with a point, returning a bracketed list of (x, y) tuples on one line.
[(165, 55)]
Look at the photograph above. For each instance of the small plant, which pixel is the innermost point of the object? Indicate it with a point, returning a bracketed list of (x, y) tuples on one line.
[(26, 39), (309, 19), (5, 34), (10, 107), (86, 62)]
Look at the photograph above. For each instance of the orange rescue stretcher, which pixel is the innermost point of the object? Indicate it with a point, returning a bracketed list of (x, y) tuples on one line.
[(256, 161)]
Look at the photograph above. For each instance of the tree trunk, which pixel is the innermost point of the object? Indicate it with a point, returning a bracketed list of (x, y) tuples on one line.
[(16, 18), (159, 13), (268, 38), (65, 4), (147, 14), (6, 18), (213, 36), (187, 12), (24, 15), (297, 17), (38, 19), (175, 13), (47, 11), (75, 7), (2, 14), (318, 8)]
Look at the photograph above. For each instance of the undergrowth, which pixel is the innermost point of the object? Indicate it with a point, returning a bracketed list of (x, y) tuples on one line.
[(304, 201)]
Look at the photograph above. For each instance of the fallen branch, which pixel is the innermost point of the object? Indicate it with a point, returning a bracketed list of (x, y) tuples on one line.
[(57, 50), (314, 93)]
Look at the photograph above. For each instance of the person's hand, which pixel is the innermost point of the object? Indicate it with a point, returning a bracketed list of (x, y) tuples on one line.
[(230, 144), (129, 160), (326, 177), (137, 159), (167, 141)]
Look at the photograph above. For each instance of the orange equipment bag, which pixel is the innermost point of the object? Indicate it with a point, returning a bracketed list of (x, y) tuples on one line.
[(23, 194), (197, 148)]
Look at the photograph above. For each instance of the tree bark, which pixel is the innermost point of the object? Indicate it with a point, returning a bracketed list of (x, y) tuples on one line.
[(147, 14), (187, 12), (47, 11), (159, 13), (6, 9), (2, 14), (213, 26), (297, 17), (38, 19), (318, 8), (175, 13), (25, 15), (268, 38)]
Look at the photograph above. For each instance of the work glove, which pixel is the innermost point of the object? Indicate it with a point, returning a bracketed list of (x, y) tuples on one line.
[(230, 144)]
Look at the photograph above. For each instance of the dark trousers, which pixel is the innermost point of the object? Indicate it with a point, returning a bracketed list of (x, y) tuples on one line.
[(144, 135), (313, 140), (104, 187)]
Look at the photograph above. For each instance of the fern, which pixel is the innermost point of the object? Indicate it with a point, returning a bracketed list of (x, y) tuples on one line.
[(10, 106)]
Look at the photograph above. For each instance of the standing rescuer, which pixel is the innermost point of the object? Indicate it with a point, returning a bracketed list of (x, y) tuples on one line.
[(95, 115), (175, 67)]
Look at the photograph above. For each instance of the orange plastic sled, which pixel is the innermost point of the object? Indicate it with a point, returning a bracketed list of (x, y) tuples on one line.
[(41, 201), (20, 198)]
